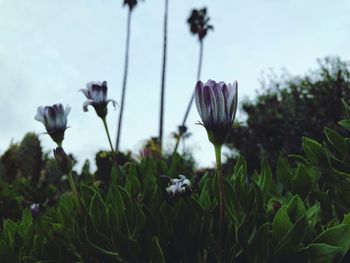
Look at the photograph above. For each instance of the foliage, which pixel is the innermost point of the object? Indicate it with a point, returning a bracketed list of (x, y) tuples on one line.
[(301, 214), (289, 109)]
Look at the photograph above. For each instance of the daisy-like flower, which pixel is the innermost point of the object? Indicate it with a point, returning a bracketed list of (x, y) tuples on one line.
[(217, 105), (96, 94), (179, 187), (55, 120)]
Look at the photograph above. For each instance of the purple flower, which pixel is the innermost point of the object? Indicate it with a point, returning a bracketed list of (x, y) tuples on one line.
[(35, 210), (55, 120), (96, 94), (179, 187), (217, 104)]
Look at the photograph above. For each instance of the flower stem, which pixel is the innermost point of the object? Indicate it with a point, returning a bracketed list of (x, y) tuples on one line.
[(75, 192), (221, 192), (109, 137)]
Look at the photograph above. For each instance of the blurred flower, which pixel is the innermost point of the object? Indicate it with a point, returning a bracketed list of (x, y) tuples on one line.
[(64, 162), (179, 187), (216, 104), (199, 23), (55, 120), (130, 3), (96, 94), (35, 210), (145, 153)]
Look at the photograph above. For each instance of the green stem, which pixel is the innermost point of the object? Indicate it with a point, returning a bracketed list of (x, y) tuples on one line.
[(221, 192), (109, 137), (75, 192)]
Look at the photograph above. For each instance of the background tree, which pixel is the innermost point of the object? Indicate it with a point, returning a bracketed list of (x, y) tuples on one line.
[(199, 26), (287, 110), (131, 4)]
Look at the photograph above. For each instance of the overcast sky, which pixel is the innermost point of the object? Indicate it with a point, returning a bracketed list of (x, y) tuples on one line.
[(49, 49)]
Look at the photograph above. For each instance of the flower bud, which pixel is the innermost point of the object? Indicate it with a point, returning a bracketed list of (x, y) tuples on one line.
[(217, 105), (64, 163)]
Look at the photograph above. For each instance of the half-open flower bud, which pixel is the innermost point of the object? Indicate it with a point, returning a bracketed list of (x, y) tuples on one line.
[(55, 120), (217, 105)]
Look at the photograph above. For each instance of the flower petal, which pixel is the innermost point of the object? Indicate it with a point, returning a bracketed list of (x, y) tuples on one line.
[(115, 104), (198, 95), (85, 92), (40, 115), (86, 104), (67, 110)]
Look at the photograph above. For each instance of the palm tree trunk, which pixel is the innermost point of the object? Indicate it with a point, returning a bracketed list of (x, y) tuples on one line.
[(162, 92), (192, 97), (126, 65)]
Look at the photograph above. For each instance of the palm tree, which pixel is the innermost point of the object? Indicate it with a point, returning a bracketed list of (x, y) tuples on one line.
[(131, 4), (199, 25), (162, 91)]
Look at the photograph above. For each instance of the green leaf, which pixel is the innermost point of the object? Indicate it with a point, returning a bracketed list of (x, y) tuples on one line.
[(321, 253), (291, 240), (281, 224), (345, 123), (336, 140), (284, 172), (99, 214), (346, 107), (240, 168), (10, 229), (296, 208), (336, 236), (265, 178), (302, 182), (115, 200), (260, 245), (87, 193), (314, 152), (156, 253)]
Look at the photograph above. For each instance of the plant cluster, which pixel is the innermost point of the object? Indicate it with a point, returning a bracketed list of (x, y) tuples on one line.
[(155, 210)]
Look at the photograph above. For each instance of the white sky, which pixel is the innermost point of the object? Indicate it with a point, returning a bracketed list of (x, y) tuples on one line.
[(49, 49)]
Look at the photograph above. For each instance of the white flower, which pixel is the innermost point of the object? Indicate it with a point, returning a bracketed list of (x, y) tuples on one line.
[(179, 187), (96, 94), (217, 105), (54, 119)]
